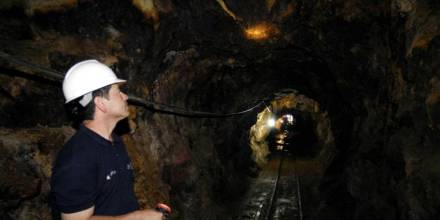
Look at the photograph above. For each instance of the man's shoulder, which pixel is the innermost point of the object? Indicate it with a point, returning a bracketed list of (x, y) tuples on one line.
[(79, 139), (79, 146)]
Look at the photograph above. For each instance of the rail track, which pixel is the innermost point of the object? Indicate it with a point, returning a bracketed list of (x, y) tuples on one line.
[(275, 194)]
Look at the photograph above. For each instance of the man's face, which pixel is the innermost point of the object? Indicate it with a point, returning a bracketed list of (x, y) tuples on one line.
[(117, 102)]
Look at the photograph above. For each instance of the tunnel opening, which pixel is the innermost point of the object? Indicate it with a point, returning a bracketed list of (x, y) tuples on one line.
[(292, 143), (295, 123), (292, 131)]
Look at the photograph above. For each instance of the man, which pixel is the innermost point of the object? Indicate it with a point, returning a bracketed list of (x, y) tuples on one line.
[(92, 177)]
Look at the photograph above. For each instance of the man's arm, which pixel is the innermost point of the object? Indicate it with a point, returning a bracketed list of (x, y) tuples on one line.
[(146, 214)]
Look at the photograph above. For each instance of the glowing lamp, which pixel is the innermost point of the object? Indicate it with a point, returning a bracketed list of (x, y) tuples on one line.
[(271, 122), (260, 31)]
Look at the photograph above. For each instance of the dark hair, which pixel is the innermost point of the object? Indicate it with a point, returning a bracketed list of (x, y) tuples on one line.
[(89, 110), (79, 113)]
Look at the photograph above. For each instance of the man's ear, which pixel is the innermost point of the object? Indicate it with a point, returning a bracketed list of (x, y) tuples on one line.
[(99, 104)]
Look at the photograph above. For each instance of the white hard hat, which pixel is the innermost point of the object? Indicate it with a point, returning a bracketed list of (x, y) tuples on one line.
[(86, 77)]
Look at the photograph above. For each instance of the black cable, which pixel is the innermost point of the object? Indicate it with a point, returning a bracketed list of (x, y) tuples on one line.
[(185, 113), (54, 75)]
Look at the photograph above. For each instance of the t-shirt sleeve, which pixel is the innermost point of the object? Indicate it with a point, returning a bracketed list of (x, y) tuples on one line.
[(73, 183)]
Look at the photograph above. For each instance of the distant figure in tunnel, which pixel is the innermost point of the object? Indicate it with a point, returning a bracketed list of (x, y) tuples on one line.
[(92, 176)]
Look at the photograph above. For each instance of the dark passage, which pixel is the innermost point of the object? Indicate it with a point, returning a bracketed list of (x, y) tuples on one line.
[(351, 90)]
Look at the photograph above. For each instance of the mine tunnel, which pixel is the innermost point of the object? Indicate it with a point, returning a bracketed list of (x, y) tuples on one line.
[(251, 109)]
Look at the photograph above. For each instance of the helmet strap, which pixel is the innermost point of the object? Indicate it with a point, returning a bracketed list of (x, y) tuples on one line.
[(86, 99)]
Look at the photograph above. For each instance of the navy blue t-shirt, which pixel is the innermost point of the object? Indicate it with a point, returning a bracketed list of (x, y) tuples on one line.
[(93, 171)]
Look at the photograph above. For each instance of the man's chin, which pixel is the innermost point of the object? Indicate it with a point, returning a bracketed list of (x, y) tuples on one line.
[(126, 114), (123, 116)]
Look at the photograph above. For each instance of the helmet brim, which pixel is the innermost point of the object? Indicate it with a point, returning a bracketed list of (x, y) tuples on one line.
[(117, 81)]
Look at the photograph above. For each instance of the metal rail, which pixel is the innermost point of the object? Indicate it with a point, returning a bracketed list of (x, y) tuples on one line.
[(269, 213), (298, 192), (272, 202), (275, 194)]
